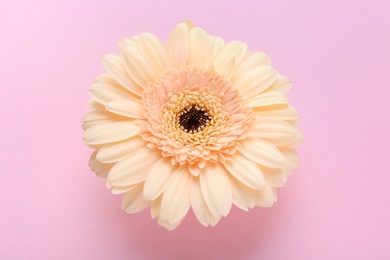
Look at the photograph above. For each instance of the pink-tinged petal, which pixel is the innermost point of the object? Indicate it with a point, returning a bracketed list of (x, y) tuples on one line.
[(286, 113), (114, 152), (154, 50), (269, 98), (126, 108), (265, 197), (216, 189), (157, 178), (262, 152), (134, 168), (140, 69), (282, 84), (255, 81), (133, 201), (200, 51), (113, 64), (245, 171), (110, 132), (178, 46), (199, 205), (101, 169), (176, 200), (275, 131)]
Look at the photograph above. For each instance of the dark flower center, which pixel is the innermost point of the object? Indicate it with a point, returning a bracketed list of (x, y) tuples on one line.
[(193, 119)]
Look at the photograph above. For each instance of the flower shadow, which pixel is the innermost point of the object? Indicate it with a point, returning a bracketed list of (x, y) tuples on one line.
[(232, 238)]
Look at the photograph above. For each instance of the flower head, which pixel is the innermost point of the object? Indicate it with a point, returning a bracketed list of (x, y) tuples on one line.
[(196, 123)]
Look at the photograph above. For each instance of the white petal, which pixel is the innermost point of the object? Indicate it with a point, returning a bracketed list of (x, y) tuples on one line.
[(178, 46), (115, 152), (255, 81), (101, 169), (110, 132), (198, 203), (176, 200), (126, 108), (106, 92), (153, 49), (138, 66), (282, 84), (262, 152), (157, 178), (133, 201), (216, 189), (277, 132), (265, 197), (245, 171), (200, 48), (231, 52), (113, 64), (268, 98), (134, 168), (287, 113)]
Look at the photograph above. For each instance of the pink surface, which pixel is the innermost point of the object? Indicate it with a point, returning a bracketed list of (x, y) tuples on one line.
[(335, 206)]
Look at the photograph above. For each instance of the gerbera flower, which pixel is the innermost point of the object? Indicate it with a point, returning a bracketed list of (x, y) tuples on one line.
[(192, 124)]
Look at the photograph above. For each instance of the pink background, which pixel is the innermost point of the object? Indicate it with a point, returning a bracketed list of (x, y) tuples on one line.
[(335, 206)]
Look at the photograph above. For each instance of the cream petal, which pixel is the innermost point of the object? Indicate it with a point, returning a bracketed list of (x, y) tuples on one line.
[(245, 171), (262, 152), (216, 189), (198, 203), (251, 60), (134, 168), (269, 98), (114, 152), (98, 117), (110, 132), (138, 66), (231, 52), (133, 201), (292, 159), (255, 81), (121, 190), (265, 197), (92, 104), (155, 206), (178, 46), (101, 169), (126, 108), (275, 177), (128, 42), (176, 202), (153, 49), (200, 51), (113, 64), (106, 92), (243, 197), (282, 84), (157, 178), (275, 131), (217, 44), (287, 113), (168, 225)]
